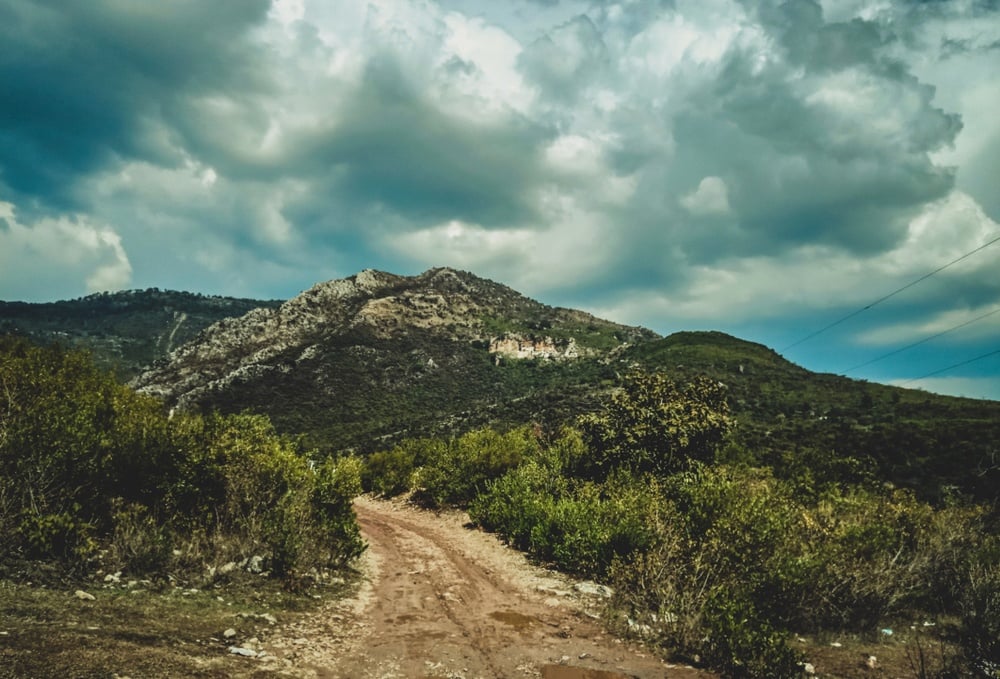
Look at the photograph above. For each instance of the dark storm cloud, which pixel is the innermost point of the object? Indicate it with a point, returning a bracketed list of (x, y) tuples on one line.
[(393, 147), (814, 173), (86, 82), (829, 144)]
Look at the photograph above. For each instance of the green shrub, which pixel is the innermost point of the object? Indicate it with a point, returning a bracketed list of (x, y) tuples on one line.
[(139, 544), (87, 463), (63, 536), (338, 482), (455, 473), (389, 473), (724, 546), (980, 614), (743, 644), (518, 501), (655, 425), (579, 526)]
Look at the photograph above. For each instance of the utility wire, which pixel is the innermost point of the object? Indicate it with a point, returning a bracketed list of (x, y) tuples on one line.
[(918, 343), (956, 365), (890, 295)]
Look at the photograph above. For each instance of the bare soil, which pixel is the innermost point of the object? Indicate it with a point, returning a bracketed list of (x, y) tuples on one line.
[(441, 600)]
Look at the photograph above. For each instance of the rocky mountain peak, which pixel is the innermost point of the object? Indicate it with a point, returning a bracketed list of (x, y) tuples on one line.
[(436, 315)]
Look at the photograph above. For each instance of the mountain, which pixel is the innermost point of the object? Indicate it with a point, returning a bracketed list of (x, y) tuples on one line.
[(357, 361), (362, 362), (125, 331)]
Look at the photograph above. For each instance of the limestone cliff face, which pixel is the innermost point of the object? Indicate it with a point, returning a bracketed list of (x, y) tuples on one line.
[(515, 346)]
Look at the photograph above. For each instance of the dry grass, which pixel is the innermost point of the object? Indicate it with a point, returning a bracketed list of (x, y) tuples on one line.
[(911, 652), (142, 631)]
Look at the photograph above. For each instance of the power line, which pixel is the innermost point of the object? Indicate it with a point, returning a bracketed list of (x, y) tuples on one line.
[(918, 343), (956, 365), (890, 295)]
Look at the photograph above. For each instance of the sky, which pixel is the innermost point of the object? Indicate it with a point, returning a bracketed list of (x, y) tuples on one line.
[(755, 167)]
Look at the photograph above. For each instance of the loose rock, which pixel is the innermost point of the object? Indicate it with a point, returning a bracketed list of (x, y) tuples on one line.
[(593, 589), (84, 596)]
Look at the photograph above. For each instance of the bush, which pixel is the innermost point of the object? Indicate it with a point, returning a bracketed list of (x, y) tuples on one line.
[(980, 613), (389, 473), (62, 536), (138, 543), (743, 644), (721, 569), (655, 425), (455, 473), (86, 462), (579, 526), (338, 482)]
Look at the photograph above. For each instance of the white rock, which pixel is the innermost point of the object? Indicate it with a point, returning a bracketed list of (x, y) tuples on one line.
[(239, 650), (229, 633), (593, 589), (808, 668), (83, 596)]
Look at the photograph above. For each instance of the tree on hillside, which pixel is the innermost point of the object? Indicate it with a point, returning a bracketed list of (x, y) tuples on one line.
[(653, 424)]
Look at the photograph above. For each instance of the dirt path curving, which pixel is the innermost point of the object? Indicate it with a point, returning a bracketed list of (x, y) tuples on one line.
[(442, 600)]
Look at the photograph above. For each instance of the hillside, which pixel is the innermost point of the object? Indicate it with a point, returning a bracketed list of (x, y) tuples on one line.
[(362, 362), (353, 362), (125, 331), (835, 427)]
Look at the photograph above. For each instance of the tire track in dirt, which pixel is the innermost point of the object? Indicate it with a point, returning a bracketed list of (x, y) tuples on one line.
[(444, 601)]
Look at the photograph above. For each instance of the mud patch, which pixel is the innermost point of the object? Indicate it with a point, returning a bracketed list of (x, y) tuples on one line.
[(516, 620), (570, 672)]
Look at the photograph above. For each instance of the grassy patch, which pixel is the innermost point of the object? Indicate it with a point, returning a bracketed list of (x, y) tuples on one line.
[(144, 630)]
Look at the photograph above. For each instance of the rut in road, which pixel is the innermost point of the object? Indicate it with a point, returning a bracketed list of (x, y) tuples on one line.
[(446, 601)]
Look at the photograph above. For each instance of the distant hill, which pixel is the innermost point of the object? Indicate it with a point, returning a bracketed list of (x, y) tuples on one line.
[(792, 418), (125, 331), (362, 362)]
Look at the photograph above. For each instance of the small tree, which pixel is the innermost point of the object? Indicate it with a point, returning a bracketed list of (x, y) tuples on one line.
[(655, 425)]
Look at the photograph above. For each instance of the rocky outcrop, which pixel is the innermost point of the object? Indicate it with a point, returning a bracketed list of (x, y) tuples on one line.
[(515, 346)]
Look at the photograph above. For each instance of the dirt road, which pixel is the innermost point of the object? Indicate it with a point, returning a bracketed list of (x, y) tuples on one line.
[(442, 600)]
